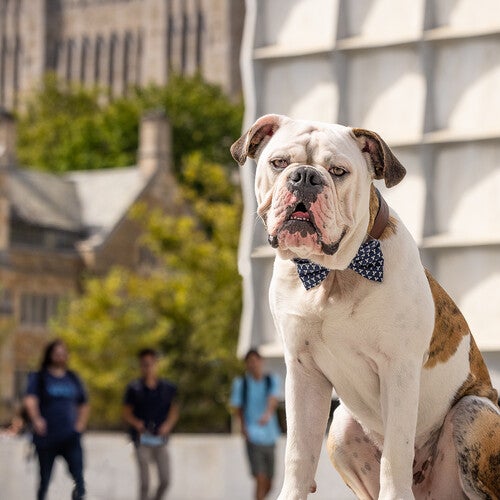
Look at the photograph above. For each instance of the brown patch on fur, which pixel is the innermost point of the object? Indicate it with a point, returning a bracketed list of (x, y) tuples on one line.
[(486, 435), (477, 441), (449, 326), (478, 382), (373, 207), (449, 329), (391, 227)]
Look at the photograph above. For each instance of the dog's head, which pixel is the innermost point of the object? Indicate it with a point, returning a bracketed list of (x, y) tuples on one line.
[(313, 184)]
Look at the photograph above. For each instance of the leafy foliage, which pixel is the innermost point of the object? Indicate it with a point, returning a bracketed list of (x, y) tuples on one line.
[(67, 129), (104, 329), (188, 306), (202, 117), (72, 128)]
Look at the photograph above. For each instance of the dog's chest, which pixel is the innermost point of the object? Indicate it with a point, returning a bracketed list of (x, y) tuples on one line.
[(333, 317), (337, 332), (348, 333)]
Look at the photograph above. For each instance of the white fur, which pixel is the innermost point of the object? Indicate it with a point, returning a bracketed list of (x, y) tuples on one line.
[(368, 341)]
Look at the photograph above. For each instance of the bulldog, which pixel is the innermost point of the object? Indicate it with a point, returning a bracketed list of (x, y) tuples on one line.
[(358, 312)]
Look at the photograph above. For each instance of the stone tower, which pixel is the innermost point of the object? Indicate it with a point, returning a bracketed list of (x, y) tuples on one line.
[(118, 43)]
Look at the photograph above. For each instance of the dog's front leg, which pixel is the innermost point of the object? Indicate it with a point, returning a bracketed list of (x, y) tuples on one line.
[(399, 391), (308, 396)]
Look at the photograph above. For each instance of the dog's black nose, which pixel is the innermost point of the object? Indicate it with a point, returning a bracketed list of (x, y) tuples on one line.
[(306, 178)]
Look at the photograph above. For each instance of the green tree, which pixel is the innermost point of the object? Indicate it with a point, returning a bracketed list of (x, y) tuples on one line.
[(104, 328), (71, 128), (202, 117), (66, 128), (189, 306)]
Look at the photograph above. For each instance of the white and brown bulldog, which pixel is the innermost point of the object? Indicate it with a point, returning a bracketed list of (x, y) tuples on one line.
[(357, 311)]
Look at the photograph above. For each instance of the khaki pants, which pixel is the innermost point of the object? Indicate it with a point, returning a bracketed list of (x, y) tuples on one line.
[(159, 455)]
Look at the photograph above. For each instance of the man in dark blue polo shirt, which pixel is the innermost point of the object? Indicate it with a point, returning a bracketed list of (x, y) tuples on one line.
[(151, 411), (56, 403)]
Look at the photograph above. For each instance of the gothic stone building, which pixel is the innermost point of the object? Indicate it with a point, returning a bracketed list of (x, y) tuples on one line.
[(54, 229), (118, 43)]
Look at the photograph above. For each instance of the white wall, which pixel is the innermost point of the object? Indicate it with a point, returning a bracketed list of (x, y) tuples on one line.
[(425, 75)]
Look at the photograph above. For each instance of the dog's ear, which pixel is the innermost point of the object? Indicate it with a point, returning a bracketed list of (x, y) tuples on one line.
[(251, 143), (385, 164)]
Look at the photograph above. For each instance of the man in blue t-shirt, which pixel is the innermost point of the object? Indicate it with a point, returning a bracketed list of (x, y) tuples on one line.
[(255, 397), (151, 410), (56, 403)]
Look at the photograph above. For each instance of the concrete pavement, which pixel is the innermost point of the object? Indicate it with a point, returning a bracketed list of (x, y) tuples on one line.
[(204, 467)]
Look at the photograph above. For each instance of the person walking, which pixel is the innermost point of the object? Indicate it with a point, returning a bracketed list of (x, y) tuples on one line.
[(255, 399), (151, 410), (57, 406)]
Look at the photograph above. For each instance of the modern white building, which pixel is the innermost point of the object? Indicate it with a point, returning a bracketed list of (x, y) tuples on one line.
[(425, 75)]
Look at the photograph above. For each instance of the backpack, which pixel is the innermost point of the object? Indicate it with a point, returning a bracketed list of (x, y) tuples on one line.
[(244, 389)]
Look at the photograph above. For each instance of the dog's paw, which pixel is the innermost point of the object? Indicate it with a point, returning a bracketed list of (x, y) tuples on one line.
[(402, 495), (296, 495), (312, 488)]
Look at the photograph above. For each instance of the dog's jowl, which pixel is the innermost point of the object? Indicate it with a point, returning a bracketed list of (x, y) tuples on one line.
[(358, 312)]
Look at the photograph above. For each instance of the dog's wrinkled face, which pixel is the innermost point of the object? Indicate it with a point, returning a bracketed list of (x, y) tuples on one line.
[(313, 185)]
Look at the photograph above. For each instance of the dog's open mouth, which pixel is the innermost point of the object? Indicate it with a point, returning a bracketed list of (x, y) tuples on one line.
[(299, 229), (300, 220), (300, 213)]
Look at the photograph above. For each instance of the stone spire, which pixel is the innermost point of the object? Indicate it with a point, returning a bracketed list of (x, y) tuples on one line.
[(154, 143), (7, 140)]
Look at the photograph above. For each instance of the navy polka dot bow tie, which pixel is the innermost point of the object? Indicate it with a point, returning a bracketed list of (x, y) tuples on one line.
[(368, 262)]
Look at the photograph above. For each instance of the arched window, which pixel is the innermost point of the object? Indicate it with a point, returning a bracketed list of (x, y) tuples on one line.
[(70, 56), (113, 45), (84, 59), (98, 50), (138, 58), (3, 62), (170, 39), (200, 27), (59, 59), (184, 36), (16, 52), (127, 62), (52, 55), (17, 68)]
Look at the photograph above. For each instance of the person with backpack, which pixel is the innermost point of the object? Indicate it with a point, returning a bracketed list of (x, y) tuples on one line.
[(151, 409), (57, 406), (254, 396)]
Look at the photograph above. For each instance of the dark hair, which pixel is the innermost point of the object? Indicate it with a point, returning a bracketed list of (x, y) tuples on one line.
[(47, 353), (148, 351), (252, 352)]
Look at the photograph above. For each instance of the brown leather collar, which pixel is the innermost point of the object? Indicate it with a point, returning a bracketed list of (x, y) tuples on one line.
[(382, 218)]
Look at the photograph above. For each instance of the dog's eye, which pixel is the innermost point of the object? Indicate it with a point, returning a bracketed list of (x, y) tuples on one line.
[(337, 171), (279, 163)]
